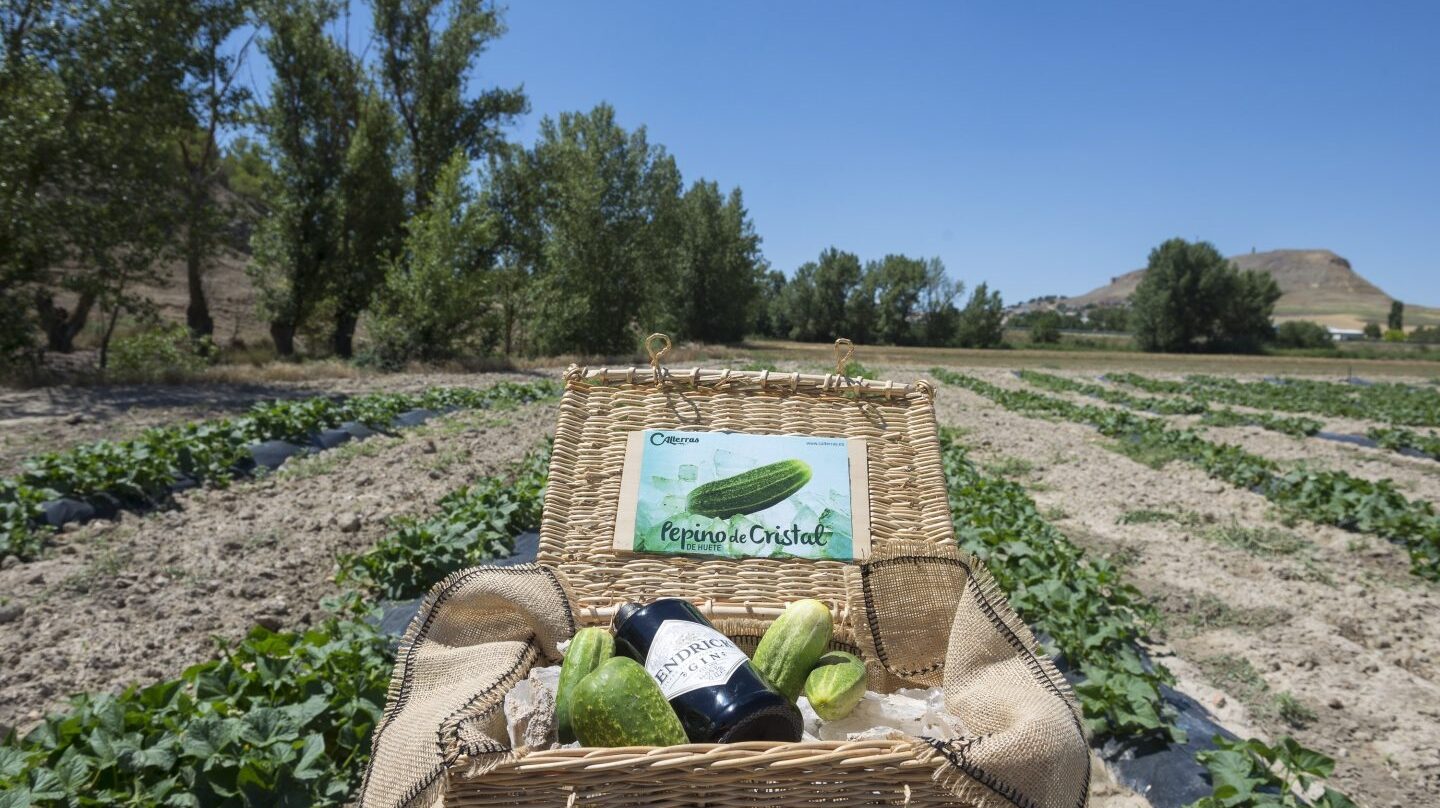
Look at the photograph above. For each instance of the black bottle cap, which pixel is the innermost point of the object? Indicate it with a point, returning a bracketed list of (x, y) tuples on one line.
[(622, 614)]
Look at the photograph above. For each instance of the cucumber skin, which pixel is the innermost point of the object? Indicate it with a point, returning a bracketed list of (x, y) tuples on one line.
[(588, 649), (793, 644), (836, 685), (749, 491), (620, 705)]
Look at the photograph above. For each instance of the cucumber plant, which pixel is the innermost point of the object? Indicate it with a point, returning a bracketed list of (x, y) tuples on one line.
[(1321, 496), (141, 471), (1211, 416)]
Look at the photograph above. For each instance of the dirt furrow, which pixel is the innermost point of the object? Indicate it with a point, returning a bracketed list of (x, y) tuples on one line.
[(139, 600), (1418, 478), (1332, 619), (57, 418)]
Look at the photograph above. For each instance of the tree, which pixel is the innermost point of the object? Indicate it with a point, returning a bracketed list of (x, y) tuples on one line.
[(818, 299), (1191, 297), (717, 266), (123, 68), (34, 109), (770, 318), (896, 283), (982, 321), (1302, 334), (425, 63), (1396, 320), (216, 103), (1245, 308), (434, 300), (1429, 335), (372, 216), (1105, 318), (939, 318), (599, 239), (1045, 327), (513, 195), (1372, 331), (306, 132)]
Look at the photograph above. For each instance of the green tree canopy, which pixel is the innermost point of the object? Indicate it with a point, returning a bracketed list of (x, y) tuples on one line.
[(594, 218), (1045, 327), (1191, 298), (897, 282), (717, 266), (428, 50), (307, 132), (434, 304), (982, 321), (939, 318), (1302, 334), (820, 298), (1396, 320)]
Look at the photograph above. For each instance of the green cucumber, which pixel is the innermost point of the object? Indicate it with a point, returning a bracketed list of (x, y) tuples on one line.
[(749, 491), (793, 644), (588, 648), (619, 704), (836, 685)]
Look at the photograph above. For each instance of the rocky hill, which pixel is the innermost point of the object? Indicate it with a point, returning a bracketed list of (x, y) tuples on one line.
[(1314, 284)]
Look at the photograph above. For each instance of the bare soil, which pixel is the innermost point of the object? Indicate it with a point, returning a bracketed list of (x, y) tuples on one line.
[(1418, 477), (48, 419), (1337, 622), (138, 600), (1330, 618)]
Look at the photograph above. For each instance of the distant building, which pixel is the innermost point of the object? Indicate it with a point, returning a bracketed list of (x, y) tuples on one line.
[(1345, 334)]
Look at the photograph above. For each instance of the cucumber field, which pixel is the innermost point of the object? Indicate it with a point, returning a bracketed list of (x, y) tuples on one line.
[(1269, 542)]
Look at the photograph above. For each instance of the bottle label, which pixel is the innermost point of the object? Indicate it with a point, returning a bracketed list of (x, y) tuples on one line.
[(686, 656)]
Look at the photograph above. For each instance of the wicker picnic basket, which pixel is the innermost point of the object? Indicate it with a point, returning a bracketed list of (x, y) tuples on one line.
[(919, 612)]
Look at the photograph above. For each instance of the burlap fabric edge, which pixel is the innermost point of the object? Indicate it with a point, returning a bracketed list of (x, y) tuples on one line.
[(1025, 746)]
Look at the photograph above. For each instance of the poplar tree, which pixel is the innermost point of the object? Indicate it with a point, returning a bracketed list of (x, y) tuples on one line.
[(428, 49), (306, 132), (216, 103), (717, 266)]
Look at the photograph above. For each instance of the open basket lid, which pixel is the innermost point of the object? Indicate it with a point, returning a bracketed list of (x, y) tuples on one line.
[(602, 407)]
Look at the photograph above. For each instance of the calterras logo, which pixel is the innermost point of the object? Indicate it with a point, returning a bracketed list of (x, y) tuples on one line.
[(660, 439)]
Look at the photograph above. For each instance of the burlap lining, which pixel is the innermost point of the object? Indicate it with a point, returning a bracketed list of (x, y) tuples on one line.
[(920, 613), (1027, 747)]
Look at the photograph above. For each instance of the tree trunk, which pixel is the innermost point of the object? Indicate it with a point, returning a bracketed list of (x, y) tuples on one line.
[(197, 314), (283, 335), (105, 340), (61, 327), (343, 340), (509, 330)]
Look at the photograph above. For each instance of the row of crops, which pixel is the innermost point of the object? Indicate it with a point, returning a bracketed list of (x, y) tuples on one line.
[(143, 471), (1389, 402), (285, 718), (1321, 496), (280, 718), (1398, 439), (1177, 405), (1200, 401)]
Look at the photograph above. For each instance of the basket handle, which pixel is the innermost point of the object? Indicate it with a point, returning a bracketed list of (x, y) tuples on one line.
[(844, 352), (663, 340)]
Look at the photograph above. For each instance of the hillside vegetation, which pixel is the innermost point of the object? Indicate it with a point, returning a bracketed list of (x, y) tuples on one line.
[(1314, 285)]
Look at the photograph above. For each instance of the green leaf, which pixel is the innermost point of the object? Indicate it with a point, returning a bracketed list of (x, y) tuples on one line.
[(312, 752), (12, 762)]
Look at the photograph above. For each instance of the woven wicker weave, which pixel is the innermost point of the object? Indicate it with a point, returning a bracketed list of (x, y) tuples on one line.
[(919, 613)]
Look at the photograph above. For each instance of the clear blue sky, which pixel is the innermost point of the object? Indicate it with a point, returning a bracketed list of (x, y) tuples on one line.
[(1043, 147)]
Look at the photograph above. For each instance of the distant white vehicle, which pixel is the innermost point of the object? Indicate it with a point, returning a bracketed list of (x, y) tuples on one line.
[(1345, 334)]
